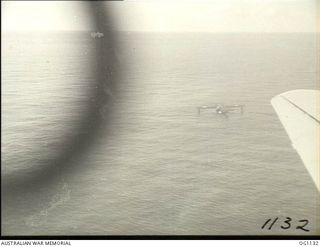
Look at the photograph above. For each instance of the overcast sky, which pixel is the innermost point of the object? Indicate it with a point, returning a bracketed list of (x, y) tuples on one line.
[(169, 15), (44, 15)]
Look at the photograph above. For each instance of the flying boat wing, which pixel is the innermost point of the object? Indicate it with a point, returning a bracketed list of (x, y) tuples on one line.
[(299, 113)]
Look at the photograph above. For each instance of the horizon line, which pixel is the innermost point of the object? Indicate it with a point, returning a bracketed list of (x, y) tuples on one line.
[(135, 31)]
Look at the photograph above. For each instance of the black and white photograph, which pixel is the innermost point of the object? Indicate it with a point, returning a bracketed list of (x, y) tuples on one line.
[(160, 118)]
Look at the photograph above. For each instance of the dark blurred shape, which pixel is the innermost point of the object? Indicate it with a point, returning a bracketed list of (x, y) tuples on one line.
[(96, 117)]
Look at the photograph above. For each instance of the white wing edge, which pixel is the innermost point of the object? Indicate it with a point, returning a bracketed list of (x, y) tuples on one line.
[(298, 111)]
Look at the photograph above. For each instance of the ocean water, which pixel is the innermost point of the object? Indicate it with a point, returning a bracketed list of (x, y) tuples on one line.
[(158, 167)]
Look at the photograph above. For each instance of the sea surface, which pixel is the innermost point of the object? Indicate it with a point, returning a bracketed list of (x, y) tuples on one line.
[(159, 167)]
